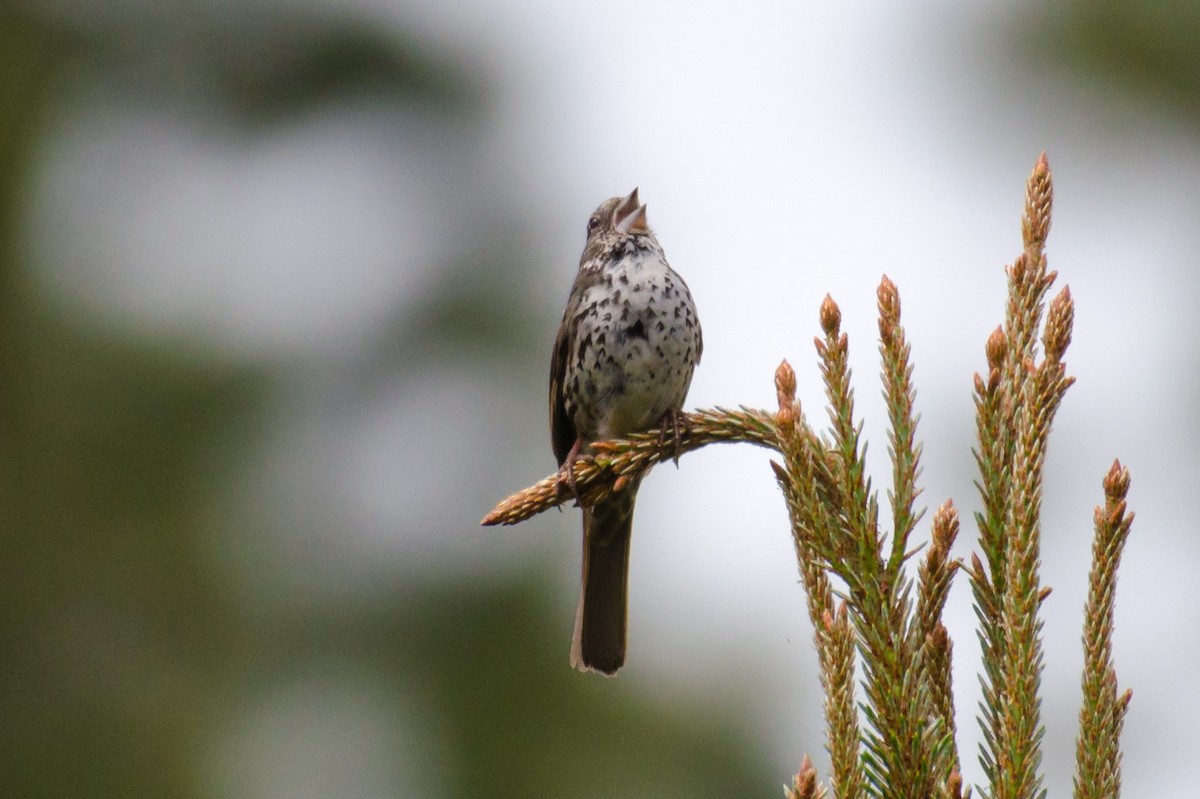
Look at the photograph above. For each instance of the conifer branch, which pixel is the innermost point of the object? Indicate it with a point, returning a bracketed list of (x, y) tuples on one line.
[(933, 581), (903, 743), (1097, 748), (813, 519), (611, 464), (899, 394)]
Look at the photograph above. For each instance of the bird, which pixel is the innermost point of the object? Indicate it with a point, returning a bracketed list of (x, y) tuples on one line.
[(623, 360)]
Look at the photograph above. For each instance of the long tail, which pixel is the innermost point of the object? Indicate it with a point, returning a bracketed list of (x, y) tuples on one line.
[(599, 640)]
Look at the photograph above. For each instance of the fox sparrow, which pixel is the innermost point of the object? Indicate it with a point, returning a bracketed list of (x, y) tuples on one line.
[(623, 361)]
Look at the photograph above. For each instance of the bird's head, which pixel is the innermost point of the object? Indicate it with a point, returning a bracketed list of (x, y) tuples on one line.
[(616, 219)]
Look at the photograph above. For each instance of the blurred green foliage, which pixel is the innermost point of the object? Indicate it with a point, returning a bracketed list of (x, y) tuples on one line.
[(1146, 50)]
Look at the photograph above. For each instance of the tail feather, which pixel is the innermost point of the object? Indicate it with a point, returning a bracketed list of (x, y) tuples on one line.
[(600, 621)]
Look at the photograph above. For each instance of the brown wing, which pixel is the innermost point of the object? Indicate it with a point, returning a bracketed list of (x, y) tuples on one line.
[(562, 429)]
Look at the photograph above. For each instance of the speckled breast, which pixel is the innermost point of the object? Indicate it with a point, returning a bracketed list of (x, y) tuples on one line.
[(636, 346)]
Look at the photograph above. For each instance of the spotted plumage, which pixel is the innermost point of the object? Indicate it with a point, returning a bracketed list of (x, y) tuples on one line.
[(623, 361)]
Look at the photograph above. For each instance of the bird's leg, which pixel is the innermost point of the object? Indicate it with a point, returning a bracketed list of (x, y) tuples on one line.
[(671, 421), (566, 472)]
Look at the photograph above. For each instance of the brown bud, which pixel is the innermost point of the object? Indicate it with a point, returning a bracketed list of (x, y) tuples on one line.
[(620, 483), (1045, 592), (831, 316), (1116, 482), (785, 385), (954, 784), (806, 780), (945, 527), (977, 571), (889, 308), (1059, 321), (996, 349), (1039, 197), (939, 637), (1017, 271)]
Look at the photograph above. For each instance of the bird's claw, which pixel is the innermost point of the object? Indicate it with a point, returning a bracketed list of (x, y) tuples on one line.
[(672, 421), (566, 472)]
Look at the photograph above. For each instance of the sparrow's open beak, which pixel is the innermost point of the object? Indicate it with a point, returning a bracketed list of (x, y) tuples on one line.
[(630, 216)]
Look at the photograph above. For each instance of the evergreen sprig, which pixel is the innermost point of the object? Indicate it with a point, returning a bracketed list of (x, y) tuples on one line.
[(1097, 748), (1015, 406)]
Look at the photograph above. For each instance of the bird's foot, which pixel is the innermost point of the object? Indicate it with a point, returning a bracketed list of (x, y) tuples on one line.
[(674, 422), (566, 472)]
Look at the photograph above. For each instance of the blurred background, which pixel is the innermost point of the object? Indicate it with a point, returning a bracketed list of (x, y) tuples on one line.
[(279, 285)]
